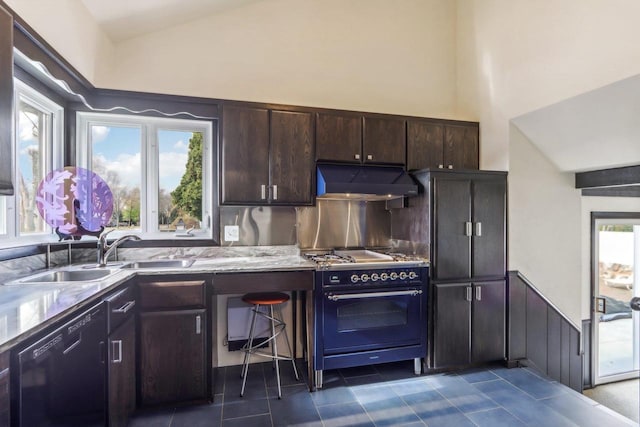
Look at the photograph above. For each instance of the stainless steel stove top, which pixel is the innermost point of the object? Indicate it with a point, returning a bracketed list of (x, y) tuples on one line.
[(362, 259)]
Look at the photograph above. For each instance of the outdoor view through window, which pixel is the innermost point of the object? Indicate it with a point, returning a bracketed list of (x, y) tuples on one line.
[(158, 173)]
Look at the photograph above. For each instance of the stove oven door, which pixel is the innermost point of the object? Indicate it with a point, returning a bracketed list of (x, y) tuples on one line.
[(370, 320)]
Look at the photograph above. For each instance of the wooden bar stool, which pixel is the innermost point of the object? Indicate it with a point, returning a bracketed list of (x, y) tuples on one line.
[(277, 325)]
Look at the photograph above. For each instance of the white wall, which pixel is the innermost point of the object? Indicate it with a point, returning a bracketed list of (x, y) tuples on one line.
[(515, 56), (544, 225), (71, 30), (371, 55)]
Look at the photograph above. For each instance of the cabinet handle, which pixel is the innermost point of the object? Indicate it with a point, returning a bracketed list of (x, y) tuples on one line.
[(478, 229), (198, 325), (450, 167), (369, 156), (469, 293), (440, 166), (275, 192), (117, 359), (478, 293), (125, 307), (357, 156), (468, 229), (263, 191)]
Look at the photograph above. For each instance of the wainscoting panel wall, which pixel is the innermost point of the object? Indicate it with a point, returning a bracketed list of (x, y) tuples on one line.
[(541, 336)]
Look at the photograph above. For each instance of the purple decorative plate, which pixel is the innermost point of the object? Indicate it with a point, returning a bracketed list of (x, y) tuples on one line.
[(74, 201)]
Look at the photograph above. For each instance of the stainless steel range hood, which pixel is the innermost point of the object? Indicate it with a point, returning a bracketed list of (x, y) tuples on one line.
[(350, 182)]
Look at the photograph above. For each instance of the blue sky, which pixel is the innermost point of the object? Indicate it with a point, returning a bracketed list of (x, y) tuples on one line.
[(119, 148)]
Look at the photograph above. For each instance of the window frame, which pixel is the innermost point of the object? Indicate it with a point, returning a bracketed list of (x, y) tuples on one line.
[(149, 156), (52, 157)]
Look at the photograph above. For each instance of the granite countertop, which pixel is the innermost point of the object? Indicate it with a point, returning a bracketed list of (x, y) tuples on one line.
[(28, 308)]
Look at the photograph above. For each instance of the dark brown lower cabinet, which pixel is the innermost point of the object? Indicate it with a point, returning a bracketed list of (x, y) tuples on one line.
[(172, 356), (469, 323), (5, 397), (122, 373)]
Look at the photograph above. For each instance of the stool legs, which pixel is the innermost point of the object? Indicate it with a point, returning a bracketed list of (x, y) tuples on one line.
[(247, 353), (277, 326)]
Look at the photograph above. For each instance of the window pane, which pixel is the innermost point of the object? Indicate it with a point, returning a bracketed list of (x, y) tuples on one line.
[(116, 159), (180, 179), (32, 138)]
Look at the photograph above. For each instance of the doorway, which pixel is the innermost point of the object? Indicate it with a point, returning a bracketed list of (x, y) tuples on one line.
[(615, 256)]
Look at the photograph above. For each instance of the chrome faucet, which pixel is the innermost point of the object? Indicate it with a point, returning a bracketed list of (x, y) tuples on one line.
[(104, 250)]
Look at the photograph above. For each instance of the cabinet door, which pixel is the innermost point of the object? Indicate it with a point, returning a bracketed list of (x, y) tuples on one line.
[(172, 356), (5, 396), (488, 242), (452, 217), (384, 141), (452, 328), (338, 138), (292, 161), (424, 145), (245, 155), (461, 147), (122, 373), (488, 321)]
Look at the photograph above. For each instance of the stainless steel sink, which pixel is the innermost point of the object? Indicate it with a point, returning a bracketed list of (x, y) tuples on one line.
[(68, 276), (160, 263)]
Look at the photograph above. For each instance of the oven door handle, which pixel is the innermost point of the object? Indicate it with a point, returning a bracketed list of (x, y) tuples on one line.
[(412, 292)]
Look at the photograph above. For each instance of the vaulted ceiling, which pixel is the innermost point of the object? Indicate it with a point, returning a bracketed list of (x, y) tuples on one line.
[(125, 19)]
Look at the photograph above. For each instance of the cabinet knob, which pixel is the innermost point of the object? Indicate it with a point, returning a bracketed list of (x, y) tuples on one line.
[(440, 166), (450, 167), (263, 191), (469, 293), (116, 344), (198, 325), (369, 156), (357, 156), (478, 293), (275, 192)]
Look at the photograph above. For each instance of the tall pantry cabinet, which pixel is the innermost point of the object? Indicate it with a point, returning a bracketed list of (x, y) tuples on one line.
[(468, 265)]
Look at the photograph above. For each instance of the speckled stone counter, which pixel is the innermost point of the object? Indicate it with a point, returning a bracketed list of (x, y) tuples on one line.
[(26, 309)]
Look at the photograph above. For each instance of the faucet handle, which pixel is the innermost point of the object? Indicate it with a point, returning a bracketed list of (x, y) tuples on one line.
[(103, 236)]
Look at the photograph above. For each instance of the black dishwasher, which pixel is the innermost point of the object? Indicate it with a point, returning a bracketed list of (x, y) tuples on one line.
[(62, 376)]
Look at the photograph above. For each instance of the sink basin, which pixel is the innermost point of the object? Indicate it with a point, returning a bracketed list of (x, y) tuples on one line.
[(160, 263), (68, 276)]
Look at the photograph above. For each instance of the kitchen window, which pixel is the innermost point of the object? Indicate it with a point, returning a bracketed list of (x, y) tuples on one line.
[(159, 171), (38, 142)]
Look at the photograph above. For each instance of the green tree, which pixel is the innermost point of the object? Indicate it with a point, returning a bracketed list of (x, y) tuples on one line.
[(188, 195)]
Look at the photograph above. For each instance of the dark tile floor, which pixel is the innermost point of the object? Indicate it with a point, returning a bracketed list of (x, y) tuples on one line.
[(389, 394)]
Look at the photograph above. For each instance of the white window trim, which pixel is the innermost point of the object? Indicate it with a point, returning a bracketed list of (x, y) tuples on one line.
[(149, 127), (53, 155)]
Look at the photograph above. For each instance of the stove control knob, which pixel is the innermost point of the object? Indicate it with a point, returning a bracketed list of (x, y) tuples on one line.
[(403, 275), (355, 278), (364, 278), (412, 275), (375, 277), (384, 276), (393, 276)]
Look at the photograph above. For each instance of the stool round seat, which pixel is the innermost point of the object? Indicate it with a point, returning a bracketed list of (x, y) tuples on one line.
[(265, 298)]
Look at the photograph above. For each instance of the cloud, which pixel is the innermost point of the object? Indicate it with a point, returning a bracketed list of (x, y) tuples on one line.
[(99, 133), (25, 127), (180, 145), (127, 167), (172, 166)]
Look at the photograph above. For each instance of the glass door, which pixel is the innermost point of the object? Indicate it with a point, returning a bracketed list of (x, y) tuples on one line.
[(616, 326)]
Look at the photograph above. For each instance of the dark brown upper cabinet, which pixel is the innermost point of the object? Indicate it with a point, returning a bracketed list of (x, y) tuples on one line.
[(444, 146), (6, 102), (291, 158), (267, 157), (338, 138), (384, 141), (357, 139)]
